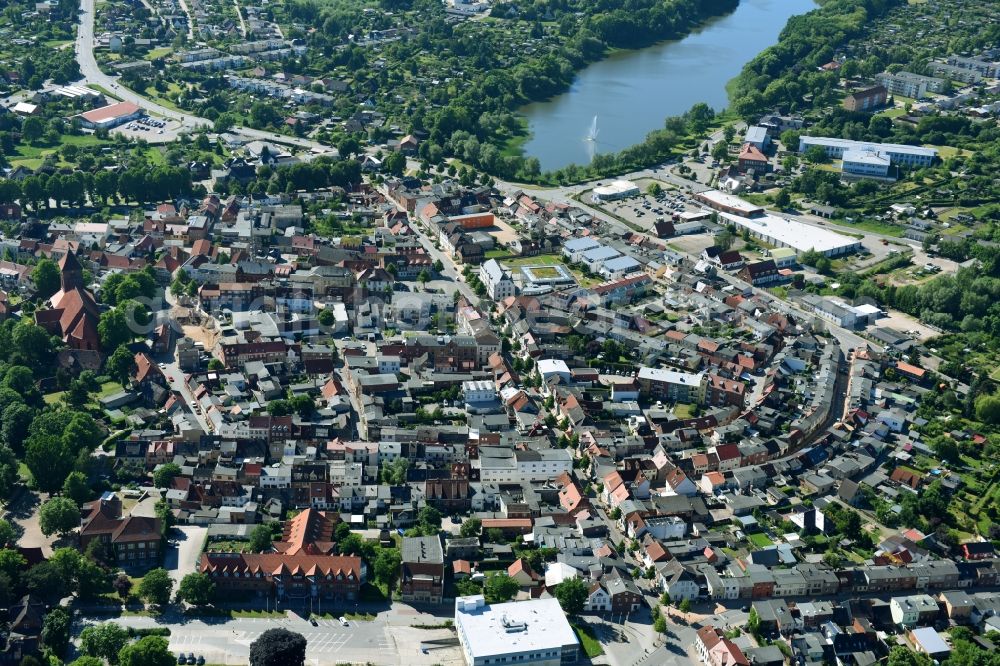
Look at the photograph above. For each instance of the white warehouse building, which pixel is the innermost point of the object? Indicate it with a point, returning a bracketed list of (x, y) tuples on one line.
[(782, 232)]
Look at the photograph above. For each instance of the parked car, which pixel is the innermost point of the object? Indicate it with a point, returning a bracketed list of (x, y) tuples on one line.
[(343, 621)]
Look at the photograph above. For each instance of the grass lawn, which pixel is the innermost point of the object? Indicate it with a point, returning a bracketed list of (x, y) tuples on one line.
[(53, 398), (873, 226), (539, 259), (514, 145), (944, 152), (101, 89), (498, 254), (591, 646), (546, 272), (760, 540), (155, 156), (159, 53), (161, 99), (892, 113), (34, 155), (228, 545), (256, 613), (683, 410), (109, 388)]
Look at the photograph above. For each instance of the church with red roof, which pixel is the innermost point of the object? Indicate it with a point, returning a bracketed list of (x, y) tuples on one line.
[(73, 314)]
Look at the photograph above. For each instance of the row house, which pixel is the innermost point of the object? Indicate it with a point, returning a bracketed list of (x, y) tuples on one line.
[(238, 354)]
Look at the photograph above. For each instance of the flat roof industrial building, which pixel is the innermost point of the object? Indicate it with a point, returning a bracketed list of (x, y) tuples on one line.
[(782, 232), (897, 152), (520, 632), (727, 203)]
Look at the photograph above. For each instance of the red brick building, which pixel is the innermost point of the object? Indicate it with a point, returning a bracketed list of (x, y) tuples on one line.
[(134, 541), (301, 568), (422, 570)]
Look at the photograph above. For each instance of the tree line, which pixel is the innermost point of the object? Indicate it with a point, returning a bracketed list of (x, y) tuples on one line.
[(42, 191)]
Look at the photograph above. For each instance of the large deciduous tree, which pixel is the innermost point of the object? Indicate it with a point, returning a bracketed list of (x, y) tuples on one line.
[(278, 647), (155, 587), (60, 515)]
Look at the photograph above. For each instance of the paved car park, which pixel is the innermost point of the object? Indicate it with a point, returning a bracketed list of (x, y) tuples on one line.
[(152, 130), (644, 210), (328, 642)]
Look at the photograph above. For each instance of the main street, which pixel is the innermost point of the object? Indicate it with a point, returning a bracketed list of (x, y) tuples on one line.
[(92, 74)]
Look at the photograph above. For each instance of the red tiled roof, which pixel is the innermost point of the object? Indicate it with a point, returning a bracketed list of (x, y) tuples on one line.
[(110, 111), (281, 563)]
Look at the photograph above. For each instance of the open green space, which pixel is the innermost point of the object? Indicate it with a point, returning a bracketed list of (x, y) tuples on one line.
[(538, 259), (161, 52)]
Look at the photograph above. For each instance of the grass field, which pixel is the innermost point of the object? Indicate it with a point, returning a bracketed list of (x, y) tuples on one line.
[(161, 98), (944, 152), (893, 113), (873, 226), (683, 410), (545, 272), (540, 259), (760, 540), (257, 613), (107, 388), (159, 53), (32, 156)]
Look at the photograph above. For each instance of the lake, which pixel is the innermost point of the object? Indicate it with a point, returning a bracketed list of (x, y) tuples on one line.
[(632, 92)]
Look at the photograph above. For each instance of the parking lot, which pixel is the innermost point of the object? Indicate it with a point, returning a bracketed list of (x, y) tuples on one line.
[(152, 130), (644, 210)]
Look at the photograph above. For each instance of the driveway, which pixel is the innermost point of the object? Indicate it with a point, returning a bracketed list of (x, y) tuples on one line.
[(23, 515), (182, 559)]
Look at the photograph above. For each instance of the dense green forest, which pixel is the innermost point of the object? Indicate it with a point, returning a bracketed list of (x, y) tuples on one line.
[(783, 75)]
